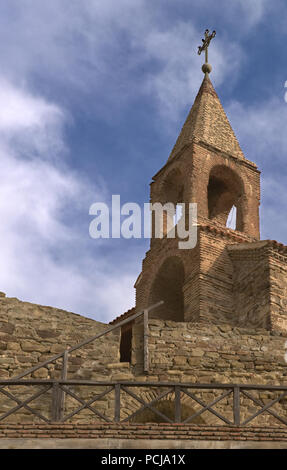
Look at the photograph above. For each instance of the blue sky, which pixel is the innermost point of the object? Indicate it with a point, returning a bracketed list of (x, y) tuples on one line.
[(93, 95)]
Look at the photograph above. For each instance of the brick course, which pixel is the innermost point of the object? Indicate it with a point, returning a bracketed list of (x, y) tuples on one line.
[(135, 431)]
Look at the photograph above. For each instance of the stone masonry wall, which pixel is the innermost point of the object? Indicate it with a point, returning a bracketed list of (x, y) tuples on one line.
[(186, 352), (206, 353), (31, 334), (209, 354)]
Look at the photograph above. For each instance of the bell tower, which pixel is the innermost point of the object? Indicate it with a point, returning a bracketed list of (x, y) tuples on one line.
[(207, 167)]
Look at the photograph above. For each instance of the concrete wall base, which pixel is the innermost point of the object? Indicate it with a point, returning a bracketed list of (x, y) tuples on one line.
[(43, 443)]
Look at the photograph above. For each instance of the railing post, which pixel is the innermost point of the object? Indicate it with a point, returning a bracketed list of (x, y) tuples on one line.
[(145, 338), (236, 405), (177, 410), (62, 394), (117, 402), (55, 402)]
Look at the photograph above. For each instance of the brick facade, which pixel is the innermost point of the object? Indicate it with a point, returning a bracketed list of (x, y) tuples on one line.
[(214, 174)]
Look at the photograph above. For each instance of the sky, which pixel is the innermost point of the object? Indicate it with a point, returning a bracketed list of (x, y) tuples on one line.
[(93, 95)]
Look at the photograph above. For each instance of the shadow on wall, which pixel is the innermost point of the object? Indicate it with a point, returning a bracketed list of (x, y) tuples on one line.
[(167, 286), (167, 408), (225, 191)]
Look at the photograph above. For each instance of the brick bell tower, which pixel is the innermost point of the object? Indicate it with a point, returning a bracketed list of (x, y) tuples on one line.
[(207, 167)]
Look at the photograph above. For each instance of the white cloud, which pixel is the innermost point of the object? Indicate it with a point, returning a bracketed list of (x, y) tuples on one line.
[(95, 46), (243, 15), (38, 261), (21, 111), (261, 129), (251, 12), (254, 10), (28, 124)]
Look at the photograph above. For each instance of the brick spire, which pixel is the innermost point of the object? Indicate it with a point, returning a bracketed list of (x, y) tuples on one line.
[(207, 122)]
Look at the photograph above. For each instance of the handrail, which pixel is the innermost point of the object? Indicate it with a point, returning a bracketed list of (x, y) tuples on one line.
[(84, 343), (194, 385)]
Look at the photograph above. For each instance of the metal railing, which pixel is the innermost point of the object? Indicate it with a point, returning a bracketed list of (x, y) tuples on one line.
[(177, 391)]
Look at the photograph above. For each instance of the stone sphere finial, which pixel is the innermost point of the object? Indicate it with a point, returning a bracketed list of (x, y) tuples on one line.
[(206, 68)]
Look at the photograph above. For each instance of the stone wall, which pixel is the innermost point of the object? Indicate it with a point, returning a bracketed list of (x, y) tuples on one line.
[(206, 353), (30, 334), (179, 352), (209, 354)]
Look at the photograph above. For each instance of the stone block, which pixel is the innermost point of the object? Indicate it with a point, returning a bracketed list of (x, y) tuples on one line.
[(197, 352), (31, 346)]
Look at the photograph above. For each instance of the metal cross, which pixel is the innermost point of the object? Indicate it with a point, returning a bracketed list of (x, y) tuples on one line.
[(205, 43)]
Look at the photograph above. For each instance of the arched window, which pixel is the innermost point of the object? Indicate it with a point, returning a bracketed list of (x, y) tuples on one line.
[(167, 286), (172, 189), (172, 194), (225, 191)]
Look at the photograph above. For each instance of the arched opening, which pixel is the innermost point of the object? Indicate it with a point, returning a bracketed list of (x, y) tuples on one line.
[(167, 286), (225, 191), (172, 192), (172, 188)]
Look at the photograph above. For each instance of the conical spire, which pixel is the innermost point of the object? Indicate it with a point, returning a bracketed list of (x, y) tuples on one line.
[(207, 122)]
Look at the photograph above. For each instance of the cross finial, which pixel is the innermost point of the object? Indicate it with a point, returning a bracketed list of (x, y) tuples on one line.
[(206, 68)]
